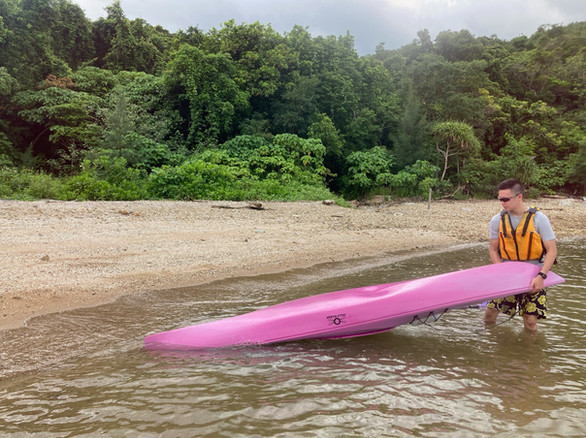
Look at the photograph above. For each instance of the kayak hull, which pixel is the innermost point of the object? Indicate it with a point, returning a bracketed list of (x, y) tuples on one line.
[(359, 311)]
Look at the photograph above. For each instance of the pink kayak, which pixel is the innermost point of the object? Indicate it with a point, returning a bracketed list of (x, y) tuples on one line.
[(357, 312)]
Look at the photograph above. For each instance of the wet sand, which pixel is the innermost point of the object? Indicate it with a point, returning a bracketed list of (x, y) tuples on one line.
[(57, 256)]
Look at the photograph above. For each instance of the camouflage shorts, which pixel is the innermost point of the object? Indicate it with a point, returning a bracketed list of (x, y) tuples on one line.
[(528, 304)]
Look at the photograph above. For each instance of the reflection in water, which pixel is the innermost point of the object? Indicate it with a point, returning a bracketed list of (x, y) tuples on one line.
[(451, 378)]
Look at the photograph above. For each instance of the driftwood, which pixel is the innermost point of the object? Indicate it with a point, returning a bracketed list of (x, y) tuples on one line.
[(251, 205), (460, 188)]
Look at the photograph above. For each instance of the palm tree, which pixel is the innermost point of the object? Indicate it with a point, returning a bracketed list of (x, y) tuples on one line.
[(454, 139)]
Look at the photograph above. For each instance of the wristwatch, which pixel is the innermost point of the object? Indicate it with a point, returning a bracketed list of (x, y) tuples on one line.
[(542, 275)]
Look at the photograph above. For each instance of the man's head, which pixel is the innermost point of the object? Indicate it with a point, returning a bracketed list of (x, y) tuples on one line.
[(511, 194)]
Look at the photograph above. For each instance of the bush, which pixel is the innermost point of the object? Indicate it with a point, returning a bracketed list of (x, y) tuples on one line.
[(194, 179), (245, 168), (107, 179), (286, 158), (413, 180), (198, 179), (367, 171), (28, 185)]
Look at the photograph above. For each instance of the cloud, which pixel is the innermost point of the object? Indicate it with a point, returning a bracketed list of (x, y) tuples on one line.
[(395, 22)]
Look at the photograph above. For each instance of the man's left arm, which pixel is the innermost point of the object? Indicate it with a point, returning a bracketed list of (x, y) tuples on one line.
[(548, 261)]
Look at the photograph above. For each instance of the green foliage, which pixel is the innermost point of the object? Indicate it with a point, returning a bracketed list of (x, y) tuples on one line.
[(290, 157), (449, 90), (238, 100), (298, 105), (199, 179), (517, 160), (107, 179), (61, 119), (413, 181), (28, 185), (137, 126), (458, 46), (210, 86), (285, 158), (147, 107), (576, 172), (367, 170), (325, 131), (244, 147), (260, 54), (6, 149), (413, 139), (72, 35), (247, 167), (8, 84), (93, 80), (141, 153), (43, 37), (128, 45), (194, 179)]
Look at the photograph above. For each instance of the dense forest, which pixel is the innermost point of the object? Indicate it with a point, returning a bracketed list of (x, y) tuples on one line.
[(119, 109)]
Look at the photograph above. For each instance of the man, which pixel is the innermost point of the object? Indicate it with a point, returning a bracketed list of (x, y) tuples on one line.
[(521, 233)]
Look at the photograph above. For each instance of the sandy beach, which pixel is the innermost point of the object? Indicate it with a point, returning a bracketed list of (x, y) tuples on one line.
[(57, 256)]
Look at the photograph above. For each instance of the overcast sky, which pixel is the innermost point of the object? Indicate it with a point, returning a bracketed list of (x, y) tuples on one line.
[(394, 22)]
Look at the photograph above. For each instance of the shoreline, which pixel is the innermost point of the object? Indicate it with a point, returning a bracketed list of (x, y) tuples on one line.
[(64, 255)]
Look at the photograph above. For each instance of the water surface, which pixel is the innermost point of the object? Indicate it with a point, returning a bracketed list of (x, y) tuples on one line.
[(85, 373)]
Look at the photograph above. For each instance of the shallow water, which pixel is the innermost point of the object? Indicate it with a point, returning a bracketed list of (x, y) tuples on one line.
[(85, 373)]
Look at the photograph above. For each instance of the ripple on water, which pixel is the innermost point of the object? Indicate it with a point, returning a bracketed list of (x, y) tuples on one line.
[(452, 378)]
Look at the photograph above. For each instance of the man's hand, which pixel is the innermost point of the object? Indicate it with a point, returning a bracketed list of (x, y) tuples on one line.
[(536, 284)]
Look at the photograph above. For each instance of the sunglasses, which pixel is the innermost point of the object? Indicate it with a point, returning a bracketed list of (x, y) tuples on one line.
[(508, 199)]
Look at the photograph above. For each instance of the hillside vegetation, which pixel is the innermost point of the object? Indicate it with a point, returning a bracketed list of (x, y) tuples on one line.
[(118, 109)]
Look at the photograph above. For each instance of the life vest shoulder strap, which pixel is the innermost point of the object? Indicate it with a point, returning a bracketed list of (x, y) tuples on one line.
[(530, 212), (504, 222)]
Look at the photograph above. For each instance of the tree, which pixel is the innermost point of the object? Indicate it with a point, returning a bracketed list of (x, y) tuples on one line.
[(153, 114), (27, 51), (41, 37), (285, 158), (62, 123), (458, 46), (517, 159), (119, 123), (577, 168), (259, 53), (8, 86), (415, 50), (138, 123), (211, 91), (72, 35), (450, 90), (324, 130), (363, 131), (297, 108), (454, 139), (413, 140), (122, 44), (93, 80)]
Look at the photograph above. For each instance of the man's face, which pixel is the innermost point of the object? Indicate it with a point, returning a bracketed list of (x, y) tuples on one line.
[(509, 199)]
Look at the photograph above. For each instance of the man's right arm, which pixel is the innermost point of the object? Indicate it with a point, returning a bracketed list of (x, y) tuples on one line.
[(493, 240), (495, 255)]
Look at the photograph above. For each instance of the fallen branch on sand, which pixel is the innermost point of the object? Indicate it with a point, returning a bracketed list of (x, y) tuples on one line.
[(252, 205)]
